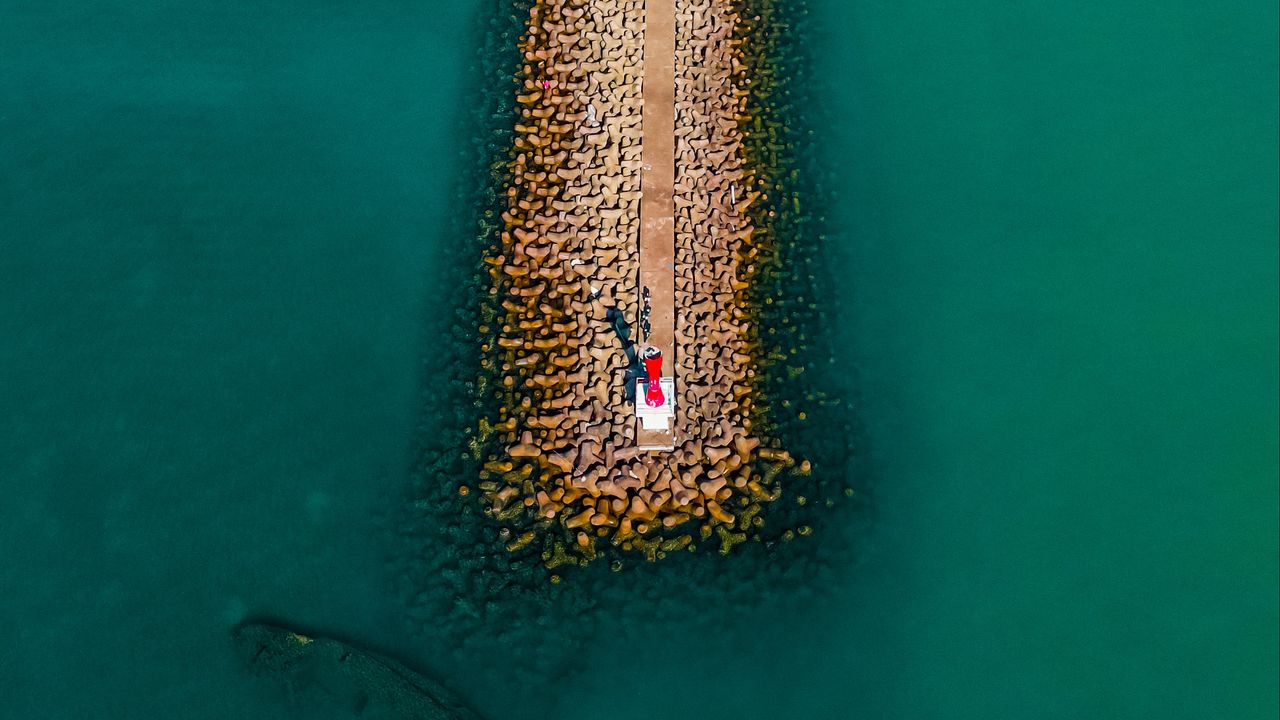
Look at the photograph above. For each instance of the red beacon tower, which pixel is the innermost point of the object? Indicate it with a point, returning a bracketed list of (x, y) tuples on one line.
[(657, 412), (653, 396)]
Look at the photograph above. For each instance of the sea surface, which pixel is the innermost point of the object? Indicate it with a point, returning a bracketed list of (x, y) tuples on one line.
[(1055, 232)]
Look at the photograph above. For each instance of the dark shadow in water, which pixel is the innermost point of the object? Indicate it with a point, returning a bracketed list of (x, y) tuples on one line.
[(331, 673)]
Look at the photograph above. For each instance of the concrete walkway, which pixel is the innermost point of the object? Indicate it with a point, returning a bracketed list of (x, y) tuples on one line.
[(657, 210)]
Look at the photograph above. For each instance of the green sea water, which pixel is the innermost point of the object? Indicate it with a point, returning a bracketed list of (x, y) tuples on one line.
[(222, 229)]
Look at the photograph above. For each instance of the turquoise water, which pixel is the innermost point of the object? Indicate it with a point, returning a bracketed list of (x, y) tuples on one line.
[(220, 230)]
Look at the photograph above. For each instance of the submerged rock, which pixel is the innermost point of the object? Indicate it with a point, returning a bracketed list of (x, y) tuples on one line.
[(326, 670)]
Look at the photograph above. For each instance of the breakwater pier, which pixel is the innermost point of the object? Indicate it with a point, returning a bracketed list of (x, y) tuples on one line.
[(620, 358)]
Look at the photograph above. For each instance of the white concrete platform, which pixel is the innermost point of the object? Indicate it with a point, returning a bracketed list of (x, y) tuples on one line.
[(656, 422)]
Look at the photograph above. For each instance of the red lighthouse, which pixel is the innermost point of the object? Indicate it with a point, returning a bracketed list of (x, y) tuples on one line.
[(653, 396)]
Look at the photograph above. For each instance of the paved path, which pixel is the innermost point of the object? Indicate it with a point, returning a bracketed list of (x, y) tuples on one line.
[(657, 179)]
